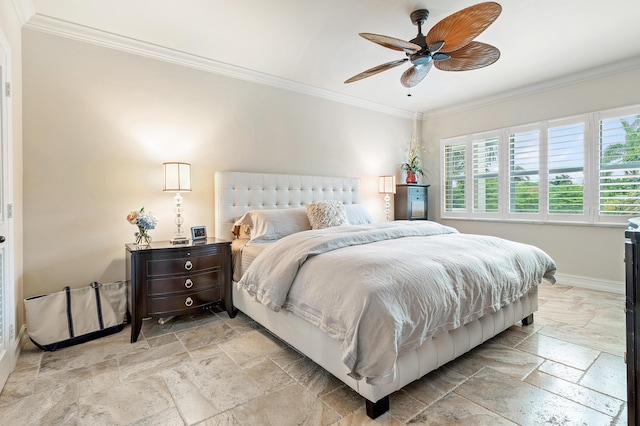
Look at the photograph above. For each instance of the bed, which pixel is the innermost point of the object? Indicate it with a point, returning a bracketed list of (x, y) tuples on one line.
[(379, 366)]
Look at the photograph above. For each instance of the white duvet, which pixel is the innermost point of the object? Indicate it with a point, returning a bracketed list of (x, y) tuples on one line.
[(385, 288)]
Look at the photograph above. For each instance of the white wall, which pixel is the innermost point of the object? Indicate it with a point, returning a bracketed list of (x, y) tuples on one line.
[(98, 123), (590, 254)]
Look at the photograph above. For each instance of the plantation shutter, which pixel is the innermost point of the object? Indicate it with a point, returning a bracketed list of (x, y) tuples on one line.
[(524, 172), (455, 165), (619, 179), (485, 175), (566, 159)]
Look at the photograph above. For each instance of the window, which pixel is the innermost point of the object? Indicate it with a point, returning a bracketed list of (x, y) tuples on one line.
[(566, 163), (455, 165), (485, 175), (524, 180), (581, 169), (619, 166)]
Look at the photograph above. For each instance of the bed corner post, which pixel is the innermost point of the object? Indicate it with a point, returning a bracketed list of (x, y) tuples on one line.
[(376, 409), (527, 320)]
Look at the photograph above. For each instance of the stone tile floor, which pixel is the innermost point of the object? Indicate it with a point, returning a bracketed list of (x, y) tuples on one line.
[(565, 369)]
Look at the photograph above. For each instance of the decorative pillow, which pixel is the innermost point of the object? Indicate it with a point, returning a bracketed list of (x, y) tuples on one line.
[(357, 214), (242, 232), (273, 224), (325, 214)]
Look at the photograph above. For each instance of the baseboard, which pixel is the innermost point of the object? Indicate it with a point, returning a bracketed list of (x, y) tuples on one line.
[(21, 334), (591, 283)]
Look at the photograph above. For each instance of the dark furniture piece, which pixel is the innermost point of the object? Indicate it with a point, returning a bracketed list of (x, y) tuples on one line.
[(166, 280), (632, 311), (411, 202)]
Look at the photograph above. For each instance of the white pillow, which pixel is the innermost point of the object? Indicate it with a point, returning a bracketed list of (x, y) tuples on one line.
[(357, 214), (273, 224), (325, 214)]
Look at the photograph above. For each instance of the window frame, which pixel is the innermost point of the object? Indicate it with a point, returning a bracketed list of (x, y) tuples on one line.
[(591, 172)]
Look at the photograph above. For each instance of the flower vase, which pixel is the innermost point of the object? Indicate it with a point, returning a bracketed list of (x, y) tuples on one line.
[(142, 237), (412, 177)]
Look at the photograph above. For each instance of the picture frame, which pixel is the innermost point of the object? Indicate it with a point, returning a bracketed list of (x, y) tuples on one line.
[(198, 233)]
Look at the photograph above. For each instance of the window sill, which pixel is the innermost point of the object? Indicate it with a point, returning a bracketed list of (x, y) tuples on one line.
[(536, 222)]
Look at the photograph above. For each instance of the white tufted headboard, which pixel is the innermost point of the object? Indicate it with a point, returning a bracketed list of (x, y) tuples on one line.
[(238, 192)]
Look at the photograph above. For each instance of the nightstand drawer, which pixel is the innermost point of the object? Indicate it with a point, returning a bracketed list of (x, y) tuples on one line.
[(419, 191), (170, 304), (189, 283), (181, 265)]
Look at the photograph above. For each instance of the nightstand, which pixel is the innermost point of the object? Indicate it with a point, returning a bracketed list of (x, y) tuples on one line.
[(411, 202), (166, 280)]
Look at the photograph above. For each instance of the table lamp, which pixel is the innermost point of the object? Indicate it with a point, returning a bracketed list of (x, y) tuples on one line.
[(386, 186), (177, 178)]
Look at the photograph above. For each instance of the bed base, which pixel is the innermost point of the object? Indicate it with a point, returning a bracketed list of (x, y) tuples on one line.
[(376, 409), (410, 366)]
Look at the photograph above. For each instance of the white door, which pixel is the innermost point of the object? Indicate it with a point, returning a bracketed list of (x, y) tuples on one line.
[(7, 298)]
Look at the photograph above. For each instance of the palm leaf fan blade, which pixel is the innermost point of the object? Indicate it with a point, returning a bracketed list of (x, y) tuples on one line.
[(415, 74), (472, 56), (459, 29), (392, 42), (375, 70)]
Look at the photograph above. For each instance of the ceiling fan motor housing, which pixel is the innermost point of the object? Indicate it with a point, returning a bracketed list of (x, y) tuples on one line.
[(423, 56)]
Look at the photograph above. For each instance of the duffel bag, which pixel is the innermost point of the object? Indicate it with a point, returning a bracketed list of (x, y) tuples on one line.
[(74, 316)]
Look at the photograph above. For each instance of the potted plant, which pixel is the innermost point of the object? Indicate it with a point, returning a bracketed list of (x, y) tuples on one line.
[(413, 165)]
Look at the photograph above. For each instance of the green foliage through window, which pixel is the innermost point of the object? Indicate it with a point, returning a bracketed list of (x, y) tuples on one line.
[(620, 166)]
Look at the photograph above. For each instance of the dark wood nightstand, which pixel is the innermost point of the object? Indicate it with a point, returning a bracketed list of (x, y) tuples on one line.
[(411, 202), (166, 280)]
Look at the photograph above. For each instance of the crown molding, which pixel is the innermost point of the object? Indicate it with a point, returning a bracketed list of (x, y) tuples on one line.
[(94, 36), (547, 85), (25, 10)]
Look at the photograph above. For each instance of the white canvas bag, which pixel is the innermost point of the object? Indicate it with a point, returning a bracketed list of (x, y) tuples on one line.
[(74, 316)]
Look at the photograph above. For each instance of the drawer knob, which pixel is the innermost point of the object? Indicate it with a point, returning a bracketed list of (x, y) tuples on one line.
[(188, 302), (188, 283), (188, 265)]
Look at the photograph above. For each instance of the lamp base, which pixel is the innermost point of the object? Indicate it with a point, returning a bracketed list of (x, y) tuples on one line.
[(180, 240)]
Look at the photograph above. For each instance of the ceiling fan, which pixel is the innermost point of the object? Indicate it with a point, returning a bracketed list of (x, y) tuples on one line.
[(448, 46)]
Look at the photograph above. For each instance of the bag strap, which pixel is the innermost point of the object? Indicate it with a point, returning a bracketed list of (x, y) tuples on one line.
[(67, 292), (96, 286)]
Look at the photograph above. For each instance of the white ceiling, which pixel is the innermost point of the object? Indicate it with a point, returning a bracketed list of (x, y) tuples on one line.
[(313, 46)]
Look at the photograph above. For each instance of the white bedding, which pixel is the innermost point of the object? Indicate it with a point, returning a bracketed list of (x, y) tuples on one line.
[(383, 289), (242, 255)]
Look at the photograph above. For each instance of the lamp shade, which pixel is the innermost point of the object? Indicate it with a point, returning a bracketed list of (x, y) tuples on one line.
[(177, 177), (387, 185)]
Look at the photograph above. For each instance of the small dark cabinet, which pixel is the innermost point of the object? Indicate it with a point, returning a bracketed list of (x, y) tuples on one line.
[(166, 280), (411, 202), (632, 312)]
